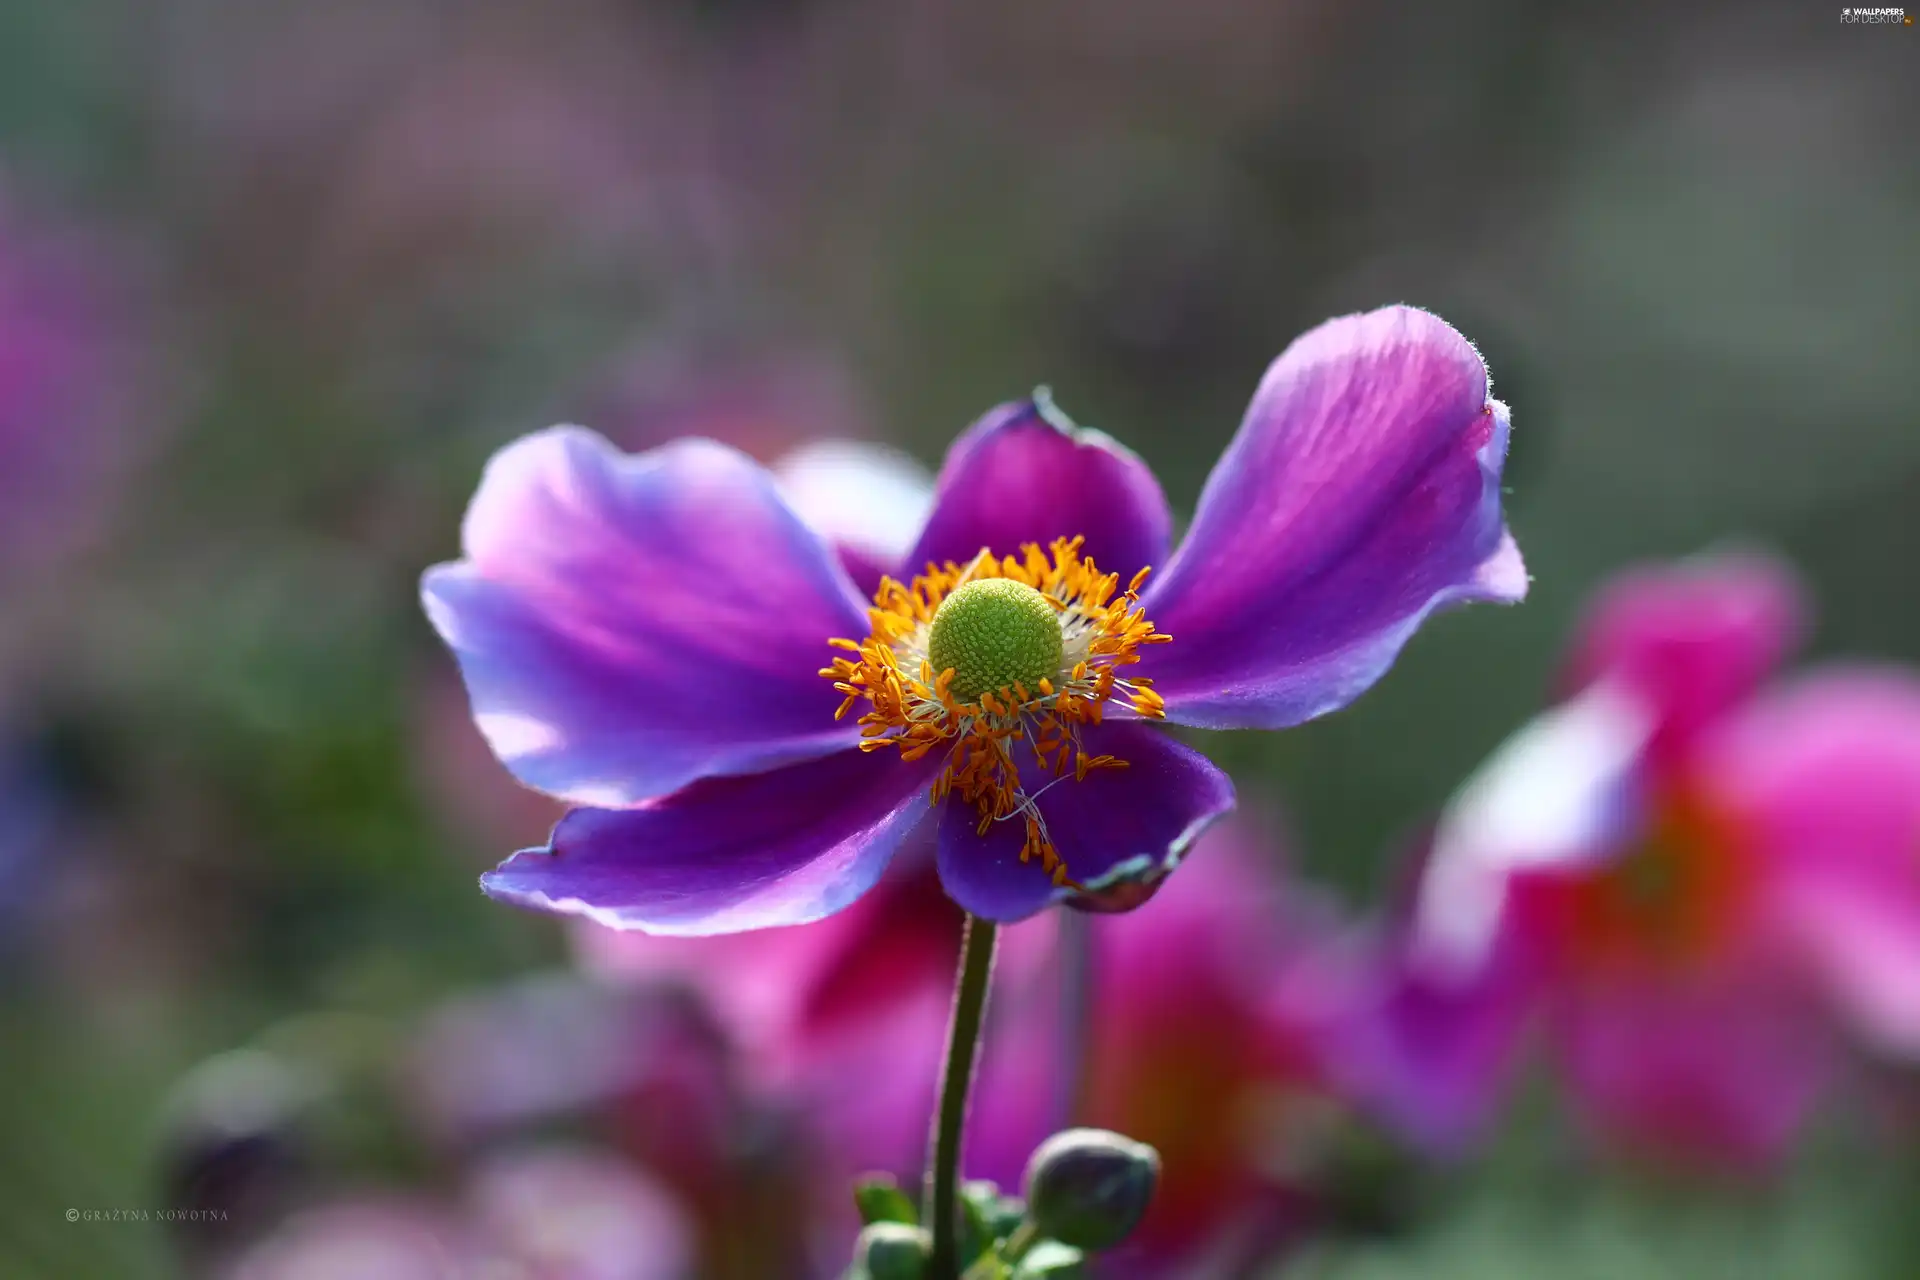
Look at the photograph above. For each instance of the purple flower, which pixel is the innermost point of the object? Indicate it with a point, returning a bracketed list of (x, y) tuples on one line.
[(1684, 879), (644, 636), (790, 410)]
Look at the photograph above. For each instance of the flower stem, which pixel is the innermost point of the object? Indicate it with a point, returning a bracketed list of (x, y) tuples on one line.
[(1024, 1237), (956, 1082)]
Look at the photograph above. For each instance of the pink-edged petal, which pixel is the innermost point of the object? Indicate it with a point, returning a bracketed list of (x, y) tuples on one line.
[(726, 854), (1361, 494), (868, 501), (627, 624), (1825, 774), (1114, 828), (1694, 638), (1023, 473), (1725, 1069)]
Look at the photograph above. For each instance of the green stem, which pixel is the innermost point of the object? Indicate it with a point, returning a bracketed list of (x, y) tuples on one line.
[(956, 1083), (1024, 1237)]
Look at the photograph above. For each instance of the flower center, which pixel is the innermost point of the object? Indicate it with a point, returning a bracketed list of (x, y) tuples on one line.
[(1674, 899), (972, 659), (994, 633)]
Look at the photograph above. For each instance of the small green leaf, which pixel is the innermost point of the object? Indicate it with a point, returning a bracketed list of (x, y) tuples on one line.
[(880, 1199), (976, 1233), (1001, 1214)]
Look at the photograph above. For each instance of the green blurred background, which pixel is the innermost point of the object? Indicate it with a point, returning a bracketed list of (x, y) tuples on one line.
[(364, 243)]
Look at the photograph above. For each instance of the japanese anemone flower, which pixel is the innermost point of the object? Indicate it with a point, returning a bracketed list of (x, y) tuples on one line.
[(644, 637), (1695, 879)]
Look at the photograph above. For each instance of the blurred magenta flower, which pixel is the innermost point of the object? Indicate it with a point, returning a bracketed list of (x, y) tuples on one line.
[(564, 1213), (1681, 873), (1206, 1038), (1206, 1042), (642, 637), (70, 373), (786, 996), (641, 1066)]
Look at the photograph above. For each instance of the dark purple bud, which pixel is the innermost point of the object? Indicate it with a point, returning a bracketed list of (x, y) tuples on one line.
[(1089, 1188)]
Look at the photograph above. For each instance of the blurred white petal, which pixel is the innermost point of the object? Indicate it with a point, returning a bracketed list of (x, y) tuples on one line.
[(866, 496)]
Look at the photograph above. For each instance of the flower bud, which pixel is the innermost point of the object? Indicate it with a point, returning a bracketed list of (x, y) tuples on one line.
[(1089, 1188), (892, 1251)]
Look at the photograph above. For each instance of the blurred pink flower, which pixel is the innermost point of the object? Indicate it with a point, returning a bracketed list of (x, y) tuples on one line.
[(555, 1213), (1689, 879), (642, 1068), (1208, 1024), (1205, 1026)]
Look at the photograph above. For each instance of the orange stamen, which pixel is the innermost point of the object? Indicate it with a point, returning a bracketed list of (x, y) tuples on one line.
[(916, 713)]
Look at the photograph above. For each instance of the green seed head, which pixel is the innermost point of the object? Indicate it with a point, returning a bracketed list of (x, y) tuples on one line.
[(994, 633)]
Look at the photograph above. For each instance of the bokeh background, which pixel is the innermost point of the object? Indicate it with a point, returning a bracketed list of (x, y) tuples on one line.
[(305, 267)]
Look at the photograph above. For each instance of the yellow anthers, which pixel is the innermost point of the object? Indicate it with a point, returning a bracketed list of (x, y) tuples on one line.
[(915, 707)]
